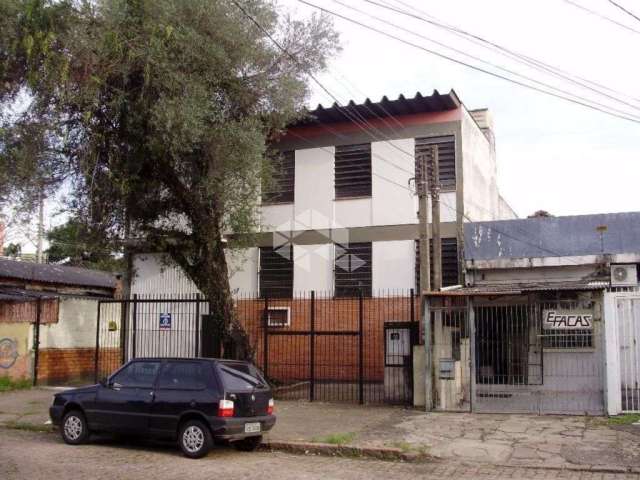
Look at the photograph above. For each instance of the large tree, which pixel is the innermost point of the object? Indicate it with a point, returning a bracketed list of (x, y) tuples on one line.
[(154, 117)]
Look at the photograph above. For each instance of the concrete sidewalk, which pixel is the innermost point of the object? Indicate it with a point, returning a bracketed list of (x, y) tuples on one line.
[(587, 443)]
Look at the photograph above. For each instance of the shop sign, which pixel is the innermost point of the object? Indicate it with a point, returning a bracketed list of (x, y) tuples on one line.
[(567, 320)]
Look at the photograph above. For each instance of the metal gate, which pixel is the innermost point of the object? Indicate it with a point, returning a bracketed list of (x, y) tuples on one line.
[(628, 333), (312, 347)]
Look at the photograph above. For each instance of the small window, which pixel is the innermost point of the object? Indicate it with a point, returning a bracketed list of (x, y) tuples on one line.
[(353, 270), (278, 317), (446, 158), (184, 376), (137, 374), (276, 272), (282, 186), (353, 170)]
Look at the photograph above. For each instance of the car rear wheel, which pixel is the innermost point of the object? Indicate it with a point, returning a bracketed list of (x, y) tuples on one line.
[(248, 444), (195, 439), (74, 428)]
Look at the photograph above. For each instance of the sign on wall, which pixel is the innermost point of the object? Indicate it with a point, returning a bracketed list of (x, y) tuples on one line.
[(567, 320), (165, 321)]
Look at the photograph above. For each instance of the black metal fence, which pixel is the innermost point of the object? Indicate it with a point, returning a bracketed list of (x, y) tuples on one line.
[(312, 346)]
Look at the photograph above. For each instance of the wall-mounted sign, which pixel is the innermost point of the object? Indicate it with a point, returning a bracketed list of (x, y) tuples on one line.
[(165, 321), (567, 320)]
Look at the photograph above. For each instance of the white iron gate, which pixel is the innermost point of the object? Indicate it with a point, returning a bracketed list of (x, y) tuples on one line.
[(622, 312)]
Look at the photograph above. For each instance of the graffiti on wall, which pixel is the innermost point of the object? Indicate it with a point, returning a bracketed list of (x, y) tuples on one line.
[(8, 352)]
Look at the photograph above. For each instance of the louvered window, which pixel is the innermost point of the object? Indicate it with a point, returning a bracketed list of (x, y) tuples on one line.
[(353, 170), (446, 158), (282, 186), (450, 267), (276, 272), (353, 270)]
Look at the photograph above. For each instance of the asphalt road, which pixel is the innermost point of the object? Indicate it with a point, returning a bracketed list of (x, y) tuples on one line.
[(34, 456)]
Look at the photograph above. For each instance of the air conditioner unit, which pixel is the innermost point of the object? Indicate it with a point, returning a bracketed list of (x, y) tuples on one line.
[(624, 275)]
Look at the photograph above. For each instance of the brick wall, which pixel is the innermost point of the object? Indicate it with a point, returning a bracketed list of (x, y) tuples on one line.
[(336, 356), (63, 365)]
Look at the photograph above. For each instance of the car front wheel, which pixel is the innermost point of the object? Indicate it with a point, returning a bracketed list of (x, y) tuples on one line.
[(248, 444), (195, 439), (74, 428)]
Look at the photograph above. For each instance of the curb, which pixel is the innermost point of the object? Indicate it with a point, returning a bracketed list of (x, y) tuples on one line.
[(330, 450), (577, 468)]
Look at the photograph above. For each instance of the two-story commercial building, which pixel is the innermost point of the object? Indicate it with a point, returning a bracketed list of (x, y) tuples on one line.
[(341, 215)]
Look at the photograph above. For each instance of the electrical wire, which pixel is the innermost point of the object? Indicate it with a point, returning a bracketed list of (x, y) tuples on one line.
[(508, 53), (504, 69), (601, 16), (625, 10), (473, 67)]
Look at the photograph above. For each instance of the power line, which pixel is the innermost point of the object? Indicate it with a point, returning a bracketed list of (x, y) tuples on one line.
[(603, 17), (473, 67), (625, 10), (508, 53), (504, 69), (345, 111)]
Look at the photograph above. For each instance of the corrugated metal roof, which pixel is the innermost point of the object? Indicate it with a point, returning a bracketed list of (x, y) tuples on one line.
[(21, 295), (38, 272), (435, 102), (519, 288), (553, 236)]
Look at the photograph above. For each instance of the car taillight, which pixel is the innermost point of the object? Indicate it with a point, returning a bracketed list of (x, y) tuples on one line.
[(225, 408), (270, 407)]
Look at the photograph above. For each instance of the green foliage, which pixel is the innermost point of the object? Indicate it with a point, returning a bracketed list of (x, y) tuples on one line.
[(75, 244), (12, 250), (153, 116), (8, 384), (627, 419), (336, 438)]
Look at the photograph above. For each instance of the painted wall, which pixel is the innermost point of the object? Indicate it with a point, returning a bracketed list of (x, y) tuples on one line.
[(153, 276), (482, 200), (313, 268), (16, 356), (393, 265), (76, 325)]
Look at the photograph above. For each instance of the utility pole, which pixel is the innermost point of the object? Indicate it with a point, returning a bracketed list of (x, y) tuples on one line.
[(423, 209), (434, 189)]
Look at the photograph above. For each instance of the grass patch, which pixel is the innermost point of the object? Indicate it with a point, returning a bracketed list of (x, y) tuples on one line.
[(627, 419), (29, 427), (407, 447), (336, 438), (8, 384)]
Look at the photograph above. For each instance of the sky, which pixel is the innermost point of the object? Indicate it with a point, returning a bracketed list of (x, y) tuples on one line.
[(551, 154)]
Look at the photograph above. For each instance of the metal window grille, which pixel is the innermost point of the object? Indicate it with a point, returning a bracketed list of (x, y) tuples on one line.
[(276, 272), (353, 269), (282, 188), (450, 265), (446, 158), (353, 170)]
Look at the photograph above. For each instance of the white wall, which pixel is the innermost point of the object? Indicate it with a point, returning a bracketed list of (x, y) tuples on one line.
[(393, 265), (153, 276), (392, 202), (76, 326), (313, 268), (482, 200)]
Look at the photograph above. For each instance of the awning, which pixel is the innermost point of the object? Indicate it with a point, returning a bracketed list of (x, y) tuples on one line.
[(517, 288), (22, 295)]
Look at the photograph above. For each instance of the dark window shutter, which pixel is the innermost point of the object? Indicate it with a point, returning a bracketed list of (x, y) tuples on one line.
[(282, 188), (276, 272), (450, 267), (446, 157), (353, 270), (353, 170)]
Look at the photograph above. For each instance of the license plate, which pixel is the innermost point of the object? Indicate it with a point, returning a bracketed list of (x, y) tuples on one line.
[(252, 427)]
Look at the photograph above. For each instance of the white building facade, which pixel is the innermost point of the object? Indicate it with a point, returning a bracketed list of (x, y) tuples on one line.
[(341, 216)]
